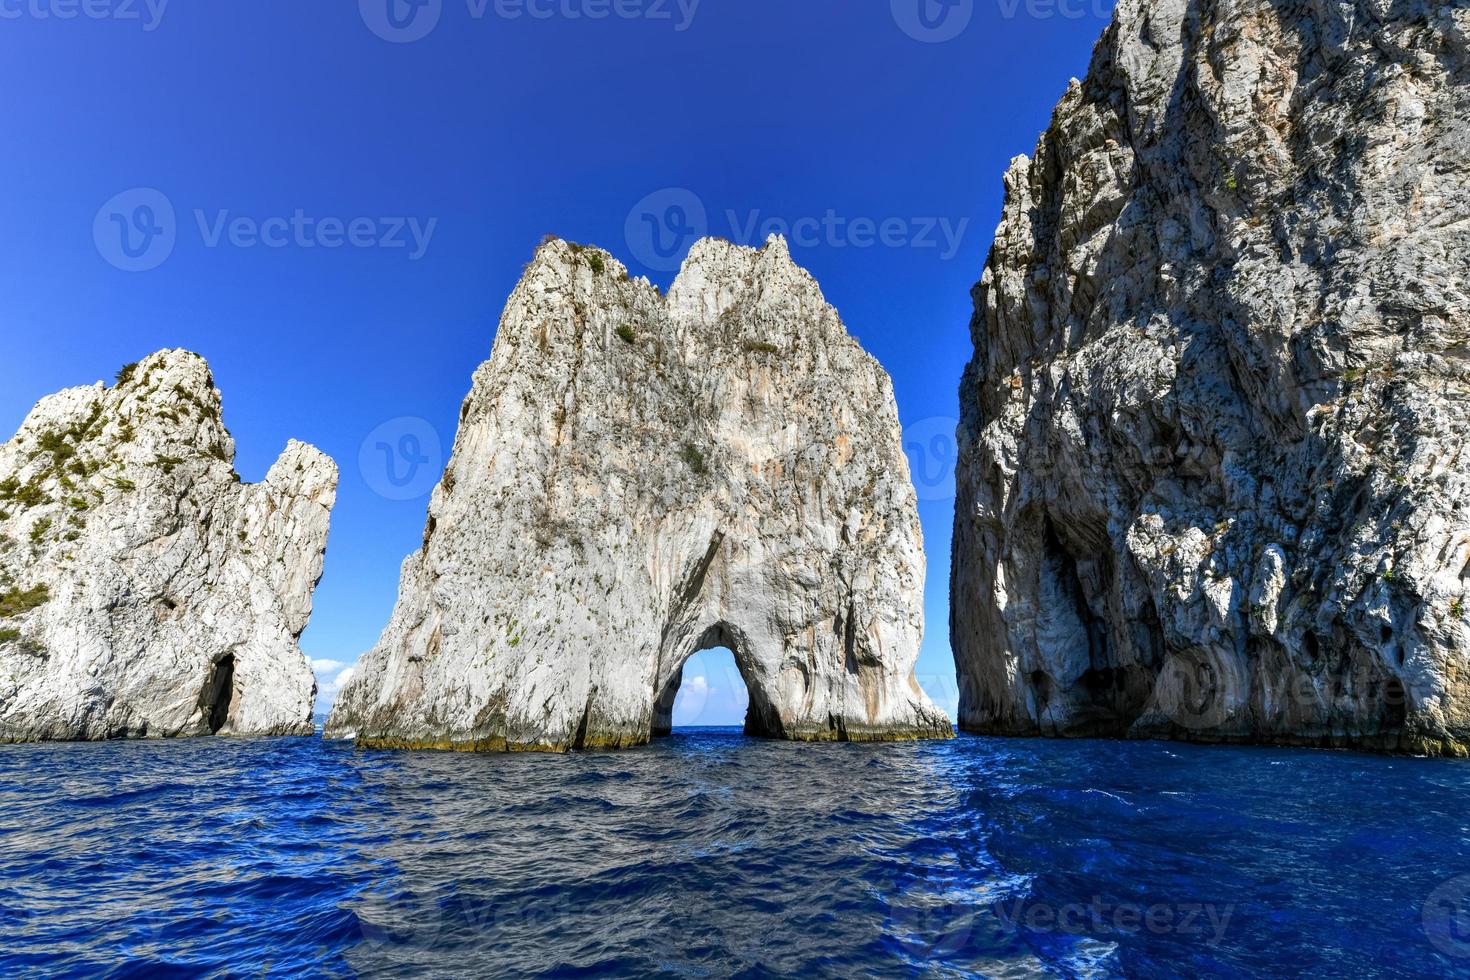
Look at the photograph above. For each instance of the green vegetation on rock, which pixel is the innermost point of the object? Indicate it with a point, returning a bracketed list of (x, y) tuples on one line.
[(17, 602), (694, 458)]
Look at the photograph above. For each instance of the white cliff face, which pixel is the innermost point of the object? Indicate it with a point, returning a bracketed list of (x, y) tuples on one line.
[(144, 591), (637, 478), (1213, 482)]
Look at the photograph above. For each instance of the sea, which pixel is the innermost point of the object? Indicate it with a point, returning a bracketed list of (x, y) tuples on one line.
[(709, 854)]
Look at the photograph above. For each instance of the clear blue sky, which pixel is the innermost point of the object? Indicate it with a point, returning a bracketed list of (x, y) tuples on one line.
[(506, 120)]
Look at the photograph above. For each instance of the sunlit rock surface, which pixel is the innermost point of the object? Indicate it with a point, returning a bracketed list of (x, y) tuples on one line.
[(639, 477), (1213, 482), (144, 591)]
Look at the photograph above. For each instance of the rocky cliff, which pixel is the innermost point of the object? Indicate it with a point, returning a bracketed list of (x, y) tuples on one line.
[(639, 477), (1213, 480), (143, 590)]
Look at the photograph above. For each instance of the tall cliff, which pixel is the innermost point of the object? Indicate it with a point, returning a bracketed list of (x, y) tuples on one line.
[(1213, 481), (639, 477), (144, 591)]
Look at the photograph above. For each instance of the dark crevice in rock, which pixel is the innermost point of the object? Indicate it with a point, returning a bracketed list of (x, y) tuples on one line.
[(219, 694)]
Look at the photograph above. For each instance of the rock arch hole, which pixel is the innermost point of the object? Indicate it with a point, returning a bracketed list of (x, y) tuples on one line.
[(715, 686), (711, 691), (219, 694)]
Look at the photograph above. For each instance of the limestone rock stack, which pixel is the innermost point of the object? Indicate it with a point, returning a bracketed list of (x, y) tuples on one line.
[(144, 591), (638, 477)]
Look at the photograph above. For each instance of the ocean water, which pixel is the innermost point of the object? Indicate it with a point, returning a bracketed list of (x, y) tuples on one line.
[(713, 855)]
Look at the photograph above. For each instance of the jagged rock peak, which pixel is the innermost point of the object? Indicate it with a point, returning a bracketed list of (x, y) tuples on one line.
[(145, 591), (637, 478), (1213, 482)]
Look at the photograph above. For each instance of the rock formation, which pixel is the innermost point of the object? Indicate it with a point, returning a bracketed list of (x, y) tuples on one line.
[(637, 478), (143, 590), (1213, 481)]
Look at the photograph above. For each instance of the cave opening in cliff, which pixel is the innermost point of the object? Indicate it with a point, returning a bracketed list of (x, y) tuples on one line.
[(712, 690), (1103, 696), (219, 694)]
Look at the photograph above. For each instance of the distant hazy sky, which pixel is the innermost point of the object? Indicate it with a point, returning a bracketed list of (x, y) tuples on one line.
[(394, 168)]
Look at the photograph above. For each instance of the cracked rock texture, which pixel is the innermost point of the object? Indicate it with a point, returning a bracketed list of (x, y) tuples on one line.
[(639, 477), (1213, 481), (144, 591)]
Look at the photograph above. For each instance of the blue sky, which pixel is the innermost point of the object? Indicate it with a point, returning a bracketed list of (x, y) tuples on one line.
[(332, 200)]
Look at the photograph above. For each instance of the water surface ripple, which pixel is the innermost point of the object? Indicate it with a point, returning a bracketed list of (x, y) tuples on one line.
[(712, 855)]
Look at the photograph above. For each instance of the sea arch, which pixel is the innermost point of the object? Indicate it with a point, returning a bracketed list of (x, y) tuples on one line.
[(762, 719)]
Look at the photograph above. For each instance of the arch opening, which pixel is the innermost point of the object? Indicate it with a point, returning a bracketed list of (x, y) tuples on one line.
[(714, 686), (219, 694), (708, 692)]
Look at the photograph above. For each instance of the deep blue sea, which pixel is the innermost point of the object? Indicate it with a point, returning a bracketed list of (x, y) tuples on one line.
[(712, 855)]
